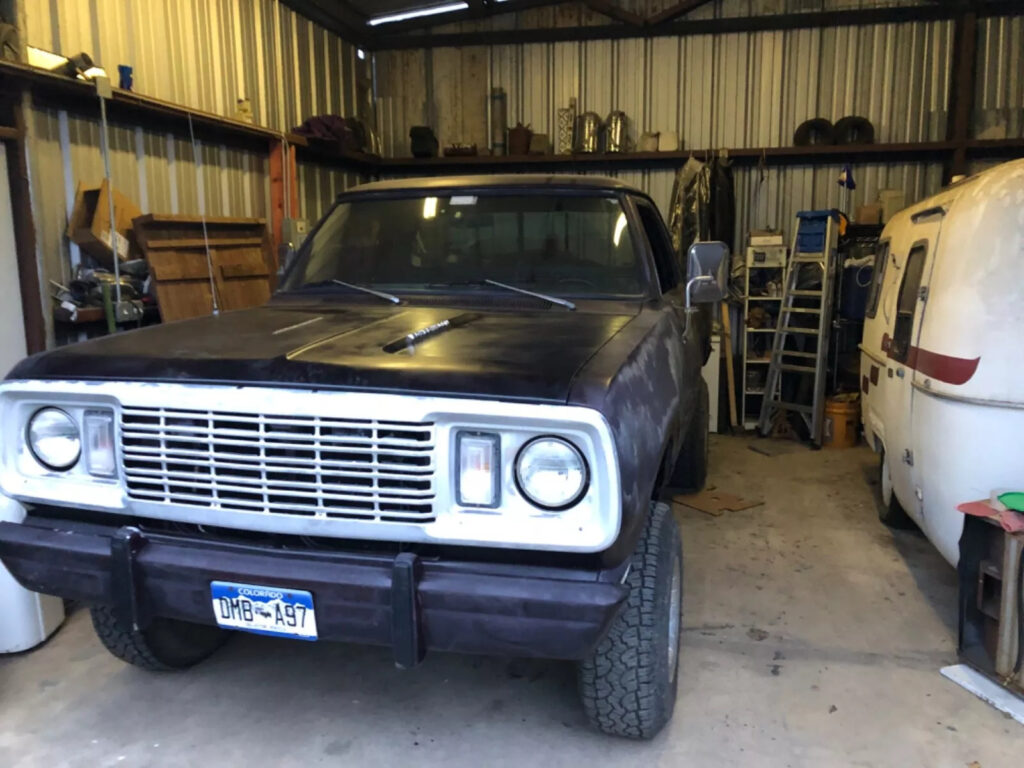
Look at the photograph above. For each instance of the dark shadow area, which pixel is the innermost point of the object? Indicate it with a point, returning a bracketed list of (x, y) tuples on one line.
[(935, 578)]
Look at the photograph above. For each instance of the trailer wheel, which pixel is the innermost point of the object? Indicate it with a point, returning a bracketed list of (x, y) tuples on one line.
[(628, 684), (165, 645), (890, 511)]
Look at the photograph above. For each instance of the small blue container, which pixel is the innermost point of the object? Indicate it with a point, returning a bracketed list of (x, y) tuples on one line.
[(125, 79), (810, 237)]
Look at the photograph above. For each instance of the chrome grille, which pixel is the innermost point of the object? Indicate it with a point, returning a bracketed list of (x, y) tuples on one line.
[(361, 469)]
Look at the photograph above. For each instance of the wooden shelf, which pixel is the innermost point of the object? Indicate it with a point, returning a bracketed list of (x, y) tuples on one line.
[(935, 151), (995, 147), (359, 162), (61, 92), (58, 91)]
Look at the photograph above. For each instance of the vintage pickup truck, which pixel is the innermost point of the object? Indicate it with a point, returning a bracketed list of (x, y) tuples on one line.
[(447, 430)]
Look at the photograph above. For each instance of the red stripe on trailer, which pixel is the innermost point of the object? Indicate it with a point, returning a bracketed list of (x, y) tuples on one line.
[(945, 368)]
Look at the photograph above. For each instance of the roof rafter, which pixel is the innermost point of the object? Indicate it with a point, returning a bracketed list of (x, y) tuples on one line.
[(675, 11), (612, 11)]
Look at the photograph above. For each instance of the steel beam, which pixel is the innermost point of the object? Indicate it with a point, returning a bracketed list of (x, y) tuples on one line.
[(961, 91), (388, 40)]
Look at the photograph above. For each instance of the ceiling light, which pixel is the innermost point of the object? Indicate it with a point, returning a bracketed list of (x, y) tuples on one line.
[(416, 13)]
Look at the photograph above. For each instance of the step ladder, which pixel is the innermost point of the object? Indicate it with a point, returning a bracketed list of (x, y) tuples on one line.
[(797, 370)]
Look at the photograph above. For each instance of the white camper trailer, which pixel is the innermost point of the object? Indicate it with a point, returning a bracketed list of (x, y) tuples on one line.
[(942, 356)]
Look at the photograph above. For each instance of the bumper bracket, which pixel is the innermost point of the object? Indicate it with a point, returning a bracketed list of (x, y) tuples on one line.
[(125, 545), (406, 632)]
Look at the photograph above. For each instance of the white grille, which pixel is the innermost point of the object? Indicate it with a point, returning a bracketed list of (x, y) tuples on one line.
[(358, 469)]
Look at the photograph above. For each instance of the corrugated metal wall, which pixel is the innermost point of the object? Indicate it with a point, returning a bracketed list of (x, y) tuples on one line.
[(207, 54), (204, 54), (999, 99), (725, 91)]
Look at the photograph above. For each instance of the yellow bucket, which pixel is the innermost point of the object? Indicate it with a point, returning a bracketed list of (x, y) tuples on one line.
[(842, 421)]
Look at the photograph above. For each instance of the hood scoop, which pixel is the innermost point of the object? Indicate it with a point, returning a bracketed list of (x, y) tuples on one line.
[(408, 342)]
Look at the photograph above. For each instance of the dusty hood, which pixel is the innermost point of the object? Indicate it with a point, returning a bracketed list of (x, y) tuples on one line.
[(521, 354)]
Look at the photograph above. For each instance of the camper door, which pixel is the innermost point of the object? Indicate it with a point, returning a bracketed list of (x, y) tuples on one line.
[(906, 315)]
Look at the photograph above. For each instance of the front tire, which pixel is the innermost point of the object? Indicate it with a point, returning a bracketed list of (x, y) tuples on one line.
[(628, 684), (165, 645), (890, 511)]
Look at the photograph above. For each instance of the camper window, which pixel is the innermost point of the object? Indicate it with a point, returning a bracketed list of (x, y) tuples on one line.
[(877, 276), (907, 303)]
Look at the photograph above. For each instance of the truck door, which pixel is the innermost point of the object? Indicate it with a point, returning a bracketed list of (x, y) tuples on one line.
[(909, 315), (673, 288)]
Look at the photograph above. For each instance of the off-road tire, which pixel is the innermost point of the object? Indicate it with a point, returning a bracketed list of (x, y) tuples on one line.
[(690, 472), (628, 684), (165, 645), (890, 511)]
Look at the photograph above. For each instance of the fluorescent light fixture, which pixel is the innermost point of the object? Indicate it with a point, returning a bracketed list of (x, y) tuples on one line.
[(429, 207), (417, 13), (360, 53), (620, 225)]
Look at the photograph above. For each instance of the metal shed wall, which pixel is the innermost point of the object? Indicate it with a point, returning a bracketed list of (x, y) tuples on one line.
[(732, 90), (999, 98), (203, 54)]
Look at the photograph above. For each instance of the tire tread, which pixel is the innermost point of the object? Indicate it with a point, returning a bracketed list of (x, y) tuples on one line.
[(619, 684)]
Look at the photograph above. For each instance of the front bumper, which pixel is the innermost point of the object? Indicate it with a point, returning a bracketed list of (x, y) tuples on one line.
[(409, 603)]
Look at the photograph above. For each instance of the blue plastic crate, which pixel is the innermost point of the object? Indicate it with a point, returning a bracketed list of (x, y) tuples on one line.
[(818, 216), (810, 236), (810, 242)]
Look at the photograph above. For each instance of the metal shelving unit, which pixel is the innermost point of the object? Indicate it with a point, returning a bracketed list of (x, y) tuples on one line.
[(767, 263)]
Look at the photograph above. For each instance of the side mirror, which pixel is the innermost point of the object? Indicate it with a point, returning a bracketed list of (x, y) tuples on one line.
[(707, 272)]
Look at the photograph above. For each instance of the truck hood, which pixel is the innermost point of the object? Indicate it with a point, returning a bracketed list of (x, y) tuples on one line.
[(522, 354)]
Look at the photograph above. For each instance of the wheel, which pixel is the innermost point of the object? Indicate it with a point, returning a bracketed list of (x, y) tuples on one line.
[(628, 684), (890, 511), (690, 472), (165, 645)]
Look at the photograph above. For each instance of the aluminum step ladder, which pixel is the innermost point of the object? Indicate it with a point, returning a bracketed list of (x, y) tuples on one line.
[(797, 371)]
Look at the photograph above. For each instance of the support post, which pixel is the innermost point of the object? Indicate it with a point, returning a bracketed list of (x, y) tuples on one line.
[(961, 91), (284, 190), (25, 230)]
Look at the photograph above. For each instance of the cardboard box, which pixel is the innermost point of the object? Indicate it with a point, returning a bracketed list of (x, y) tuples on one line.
[(892, 201), (870, 213), (89, 224), (765, 237)]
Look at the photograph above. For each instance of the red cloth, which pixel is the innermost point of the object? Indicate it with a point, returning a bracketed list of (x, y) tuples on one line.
[(1011, 521)]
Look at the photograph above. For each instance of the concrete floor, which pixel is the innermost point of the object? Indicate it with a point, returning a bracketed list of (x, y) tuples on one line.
[(813, 636)]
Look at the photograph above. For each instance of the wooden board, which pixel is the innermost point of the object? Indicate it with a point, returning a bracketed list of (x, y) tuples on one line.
[(239, 269), (730, 371), (714, 502)]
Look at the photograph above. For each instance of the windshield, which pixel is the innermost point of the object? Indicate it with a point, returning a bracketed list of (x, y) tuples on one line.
[(557, 243)]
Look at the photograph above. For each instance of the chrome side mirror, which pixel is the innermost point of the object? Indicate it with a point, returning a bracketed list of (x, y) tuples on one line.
[(707, 272)]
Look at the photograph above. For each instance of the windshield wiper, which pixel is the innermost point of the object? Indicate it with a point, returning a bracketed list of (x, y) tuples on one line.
[(553, 299), (379, 294)]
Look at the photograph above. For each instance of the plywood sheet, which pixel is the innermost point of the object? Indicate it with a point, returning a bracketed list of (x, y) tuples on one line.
[(193, 260)]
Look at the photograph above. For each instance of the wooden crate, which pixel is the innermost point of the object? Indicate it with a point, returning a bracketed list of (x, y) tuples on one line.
[(240, 253)]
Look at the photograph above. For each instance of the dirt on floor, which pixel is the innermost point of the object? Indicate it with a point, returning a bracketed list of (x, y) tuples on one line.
[(813, 636)]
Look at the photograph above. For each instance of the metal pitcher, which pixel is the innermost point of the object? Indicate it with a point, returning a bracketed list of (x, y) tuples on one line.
[(617, 132), (586, 137)]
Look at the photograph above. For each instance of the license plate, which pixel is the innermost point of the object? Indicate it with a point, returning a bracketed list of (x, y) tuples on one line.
[(264, 610)]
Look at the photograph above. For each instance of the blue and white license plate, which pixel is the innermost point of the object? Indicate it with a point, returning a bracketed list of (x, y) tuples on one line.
[(264, 610)]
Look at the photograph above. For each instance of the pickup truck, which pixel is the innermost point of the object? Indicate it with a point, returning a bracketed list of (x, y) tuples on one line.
[(447, 430)]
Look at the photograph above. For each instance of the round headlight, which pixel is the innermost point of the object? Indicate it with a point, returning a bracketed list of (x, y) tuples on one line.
[(54, 440), (551, 472)]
